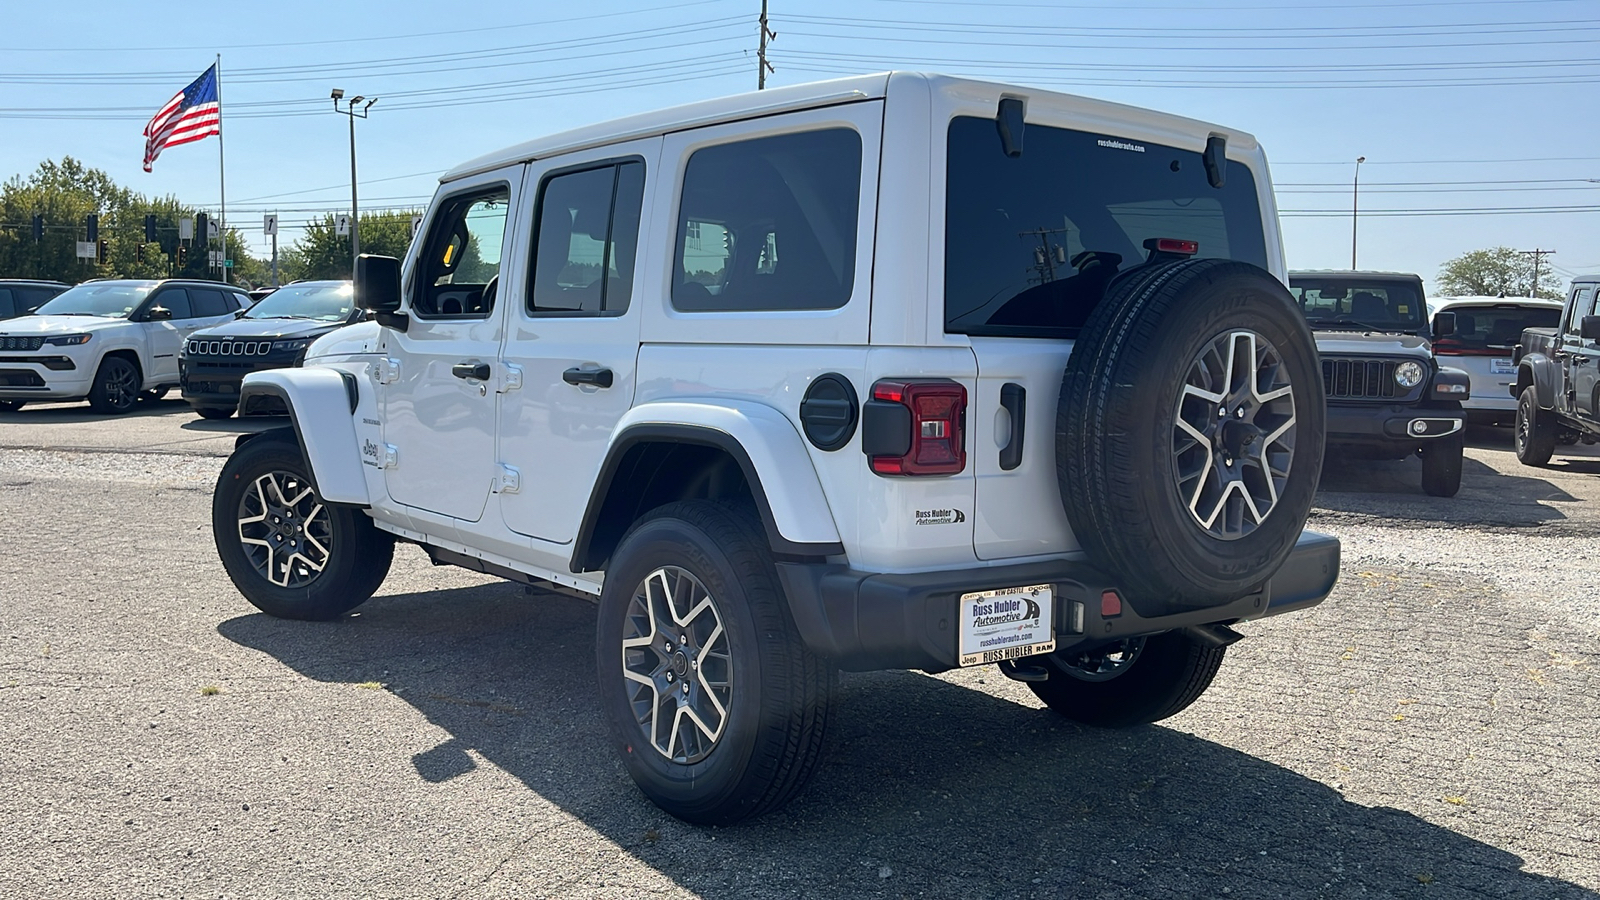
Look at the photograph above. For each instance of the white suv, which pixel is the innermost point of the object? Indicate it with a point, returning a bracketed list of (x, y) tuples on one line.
[(897, 371), (109, 342)]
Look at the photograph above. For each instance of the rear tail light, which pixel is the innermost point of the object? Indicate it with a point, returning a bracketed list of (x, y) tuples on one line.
[(915, 428)]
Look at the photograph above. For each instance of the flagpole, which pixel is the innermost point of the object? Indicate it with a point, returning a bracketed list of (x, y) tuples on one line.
[(222, 175)]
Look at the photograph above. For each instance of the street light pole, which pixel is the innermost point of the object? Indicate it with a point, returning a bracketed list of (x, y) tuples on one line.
[(1355, 196), (351, 110)]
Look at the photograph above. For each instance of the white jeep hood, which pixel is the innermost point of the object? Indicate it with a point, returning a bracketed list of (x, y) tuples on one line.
[(48, 325)]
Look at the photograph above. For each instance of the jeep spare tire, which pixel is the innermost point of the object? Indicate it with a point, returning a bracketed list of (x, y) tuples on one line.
[(1189, 434)]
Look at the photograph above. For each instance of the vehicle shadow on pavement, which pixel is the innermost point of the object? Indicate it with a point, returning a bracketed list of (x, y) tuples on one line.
[(1392, 489), (56, 413), (929, 787)]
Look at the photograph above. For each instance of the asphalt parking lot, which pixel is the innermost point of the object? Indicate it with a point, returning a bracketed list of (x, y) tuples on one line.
[(1432, 730)]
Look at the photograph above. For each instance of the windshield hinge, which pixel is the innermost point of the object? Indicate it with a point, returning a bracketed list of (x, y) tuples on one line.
[(386, 370)]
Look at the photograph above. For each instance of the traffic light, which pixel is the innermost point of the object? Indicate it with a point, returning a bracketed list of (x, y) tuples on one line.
[(201, 225), (38, 228), (92, 224), (101, 252), (183, 256), (149, 229), (138, 253)]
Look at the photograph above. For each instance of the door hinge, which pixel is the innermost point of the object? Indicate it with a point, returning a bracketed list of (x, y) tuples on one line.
[(391, 456), (386, 370), (510, 480), (510, 377)]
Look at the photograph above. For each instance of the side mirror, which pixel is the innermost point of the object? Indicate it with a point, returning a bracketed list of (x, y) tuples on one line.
[(1444, 324), (158, 314), (1589, 328), (377, 286)]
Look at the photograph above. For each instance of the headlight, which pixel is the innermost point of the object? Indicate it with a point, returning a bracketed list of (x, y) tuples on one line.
[(1409, 374), (68, 340), (289, 346)]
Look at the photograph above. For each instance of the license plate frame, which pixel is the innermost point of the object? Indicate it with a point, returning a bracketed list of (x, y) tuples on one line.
[(1005, 623)]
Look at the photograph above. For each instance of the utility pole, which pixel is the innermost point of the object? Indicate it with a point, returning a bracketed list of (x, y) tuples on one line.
[(762, 66), (355, 213), (1355, 198), (1537, 256)]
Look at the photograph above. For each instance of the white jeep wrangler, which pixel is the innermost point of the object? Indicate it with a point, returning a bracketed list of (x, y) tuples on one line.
[(897, 371)]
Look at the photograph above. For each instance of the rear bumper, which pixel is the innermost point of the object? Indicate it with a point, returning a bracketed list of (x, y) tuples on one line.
[(864, 621)]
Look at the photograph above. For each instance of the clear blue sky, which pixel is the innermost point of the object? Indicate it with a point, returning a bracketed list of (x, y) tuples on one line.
[(1466, 105)]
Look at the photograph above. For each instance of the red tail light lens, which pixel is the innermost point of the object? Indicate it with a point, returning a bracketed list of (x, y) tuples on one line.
[(937, 442)]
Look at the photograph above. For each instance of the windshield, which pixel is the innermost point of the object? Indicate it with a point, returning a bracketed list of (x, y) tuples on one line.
[(329, 302), (1359, 305), (111, 301), (1031, 242), (1493, 330)]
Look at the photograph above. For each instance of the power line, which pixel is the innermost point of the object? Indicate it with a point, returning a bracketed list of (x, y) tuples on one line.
[(1188, 31), (431, 35)]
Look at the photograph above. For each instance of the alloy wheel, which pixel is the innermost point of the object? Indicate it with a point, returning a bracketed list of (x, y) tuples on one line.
[(1233, 434), (121, 389), (285, 529), (677, 664)]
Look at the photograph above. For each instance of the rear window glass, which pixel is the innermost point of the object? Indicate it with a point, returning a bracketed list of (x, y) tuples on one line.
[(1031, 242), (770, 223), (1494, 329), (1359, 304)]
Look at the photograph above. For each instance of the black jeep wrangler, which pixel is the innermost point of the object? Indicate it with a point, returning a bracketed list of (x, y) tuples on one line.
[(1387, 396)]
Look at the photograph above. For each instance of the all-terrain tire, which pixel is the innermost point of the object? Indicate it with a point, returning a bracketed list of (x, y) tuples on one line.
[(771, 737), (255, 489), (1170, 673), (1535, 431), (1441, 465), (1119, 463), (214, 412), (116, 386)]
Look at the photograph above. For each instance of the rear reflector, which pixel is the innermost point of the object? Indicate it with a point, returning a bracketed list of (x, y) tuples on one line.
[(1110, 605)]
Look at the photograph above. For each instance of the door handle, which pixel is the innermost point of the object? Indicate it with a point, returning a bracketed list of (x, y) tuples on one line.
[(597, 377), (474, 370), (1014, 400)]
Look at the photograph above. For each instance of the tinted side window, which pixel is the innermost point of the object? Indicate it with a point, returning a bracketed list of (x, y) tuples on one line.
[(8, 306), (587, 240), (1033, 241), (177, 300), (207, 304), (769, 224), (1582, 305), (237, 302), (30, 299), (460, 265)]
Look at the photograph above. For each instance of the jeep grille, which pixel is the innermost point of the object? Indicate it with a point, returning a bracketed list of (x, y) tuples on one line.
[(1361, 379), (229, 348), (21, 343)]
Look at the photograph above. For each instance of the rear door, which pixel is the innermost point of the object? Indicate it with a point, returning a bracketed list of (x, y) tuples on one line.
[(572, 338), (1031, 243)]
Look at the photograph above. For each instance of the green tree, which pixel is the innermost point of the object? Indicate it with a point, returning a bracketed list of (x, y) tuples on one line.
[(65, 193), (321, 252), (1495, 271)]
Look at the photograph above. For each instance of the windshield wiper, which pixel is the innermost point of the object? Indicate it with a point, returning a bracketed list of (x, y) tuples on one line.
[(1354, 325)]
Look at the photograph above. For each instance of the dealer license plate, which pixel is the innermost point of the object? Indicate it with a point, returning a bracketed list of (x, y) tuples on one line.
[(1006, 624), (1501, 367)]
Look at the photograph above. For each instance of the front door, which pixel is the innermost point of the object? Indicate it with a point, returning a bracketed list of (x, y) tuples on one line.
[(574, 333), (438, 380), (1579, 358)]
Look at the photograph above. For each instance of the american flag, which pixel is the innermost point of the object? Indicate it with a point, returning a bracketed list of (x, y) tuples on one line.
[(195, 113)]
